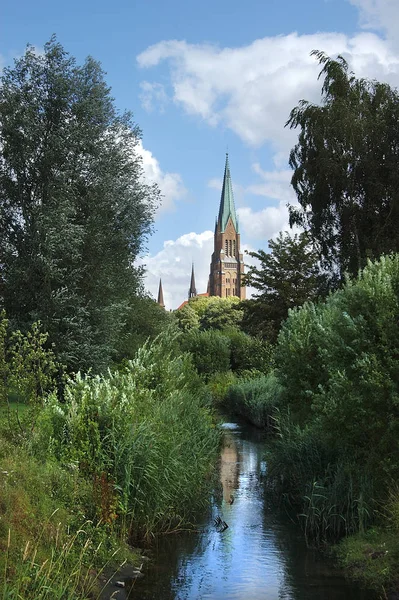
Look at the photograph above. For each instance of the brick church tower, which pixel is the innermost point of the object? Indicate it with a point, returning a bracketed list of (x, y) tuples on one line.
[(227, 266)]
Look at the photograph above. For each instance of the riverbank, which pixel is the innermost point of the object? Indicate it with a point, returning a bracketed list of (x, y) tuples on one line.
[(122, 458)]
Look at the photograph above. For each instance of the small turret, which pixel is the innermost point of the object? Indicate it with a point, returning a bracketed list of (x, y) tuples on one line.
[(192, 292), (160, 295)]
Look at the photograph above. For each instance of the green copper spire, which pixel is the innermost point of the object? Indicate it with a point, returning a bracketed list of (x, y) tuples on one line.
[(227, 208)]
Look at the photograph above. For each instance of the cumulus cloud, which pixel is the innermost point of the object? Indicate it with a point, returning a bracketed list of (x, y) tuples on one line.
[(251, 89), (379, 14), (170, 184), (173, 265)]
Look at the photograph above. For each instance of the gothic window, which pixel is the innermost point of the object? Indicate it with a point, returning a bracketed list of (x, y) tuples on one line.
[(226, 247), (231, 254), (234, 247)]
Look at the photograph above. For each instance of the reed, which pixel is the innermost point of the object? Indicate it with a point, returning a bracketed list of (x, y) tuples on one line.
[(255, 399), (145, 434)]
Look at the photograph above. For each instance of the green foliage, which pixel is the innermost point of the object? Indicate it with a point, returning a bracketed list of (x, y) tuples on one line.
[(32, 367), (287, 277), (143, 433), (49, 549), (210, 312), (321, 481), (337, 362), (145, 319), (219, 384), (187, 318), (210, 351), (345, 167), (3, 362), (255, 399), (75, 212), (249, 353)]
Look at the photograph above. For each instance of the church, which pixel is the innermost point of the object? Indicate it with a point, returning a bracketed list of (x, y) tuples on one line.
[(227, 264)]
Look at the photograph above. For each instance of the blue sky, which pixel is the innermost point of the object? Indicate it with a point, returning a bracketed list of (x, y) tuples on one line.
[(204, 77)]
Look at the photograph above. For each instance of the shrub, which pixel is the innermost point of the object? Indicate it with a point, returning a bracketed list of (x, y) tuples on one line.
[(255, 399), (219, 385), (210, 351), (249, 353), (337, 362)]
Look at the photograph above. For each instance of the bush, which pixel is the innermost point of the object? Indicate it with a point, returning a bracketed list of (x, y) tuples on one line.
[(337, 362), (210, 351), (255, 399), (249, 353), (219, 385)]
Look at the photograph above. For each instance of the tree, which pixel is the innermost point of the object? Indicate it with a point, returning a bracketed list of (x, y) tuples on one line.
[(74, 210), (211, 312), (187, 318), (345, 166), (287, 277)]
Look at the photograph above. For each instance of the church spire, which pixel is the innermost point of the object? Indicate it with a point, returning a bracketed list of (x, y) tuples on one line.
[(160, 295), (227, 208), (192, 292)]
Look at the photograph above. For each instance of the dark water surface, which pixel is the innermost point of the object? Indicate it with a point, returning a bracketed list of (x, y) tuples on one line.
[(260, 556)]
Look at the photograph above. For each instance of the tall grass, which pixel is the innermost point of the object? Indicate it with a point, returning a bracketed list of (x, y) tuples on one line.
[(331, 496), (68, 572), (255, 399), (144, 435)]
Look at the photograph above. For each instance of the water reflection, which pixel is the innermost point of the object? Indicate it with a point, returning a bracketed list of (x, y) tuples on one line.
[(259, 556)]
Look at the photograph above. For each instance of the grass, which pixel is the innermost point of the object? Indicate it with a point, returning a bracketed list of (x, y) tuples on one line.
[(48, 548), (255, 399), (372, 558)]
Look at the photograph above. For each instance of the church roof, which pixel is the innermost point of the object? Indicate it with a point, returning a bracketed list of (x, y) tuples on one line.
[(227, 208)]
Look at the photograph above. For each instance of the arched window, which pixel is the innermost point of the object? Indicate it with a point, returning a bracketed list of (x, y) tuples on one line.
[(226, 249), (234, 247), (231, 253)]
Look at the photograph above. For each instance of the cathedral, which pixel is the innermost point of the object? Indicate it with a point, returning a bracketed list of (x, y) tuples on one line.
[(227, 264)]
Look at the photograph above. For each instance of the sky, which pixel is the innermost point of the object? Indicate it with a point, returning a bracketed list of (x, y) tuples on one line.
[(203, 78)]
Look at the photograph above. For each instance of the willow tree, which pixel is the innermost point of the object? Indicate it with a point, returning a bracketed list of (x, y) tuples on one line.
[(345, 163), (74, 208)]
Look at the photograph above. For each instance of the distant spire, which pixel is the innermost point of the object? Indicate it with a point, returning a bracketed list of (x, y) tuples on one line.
[(227, 208), (160, 295), (192, 292)]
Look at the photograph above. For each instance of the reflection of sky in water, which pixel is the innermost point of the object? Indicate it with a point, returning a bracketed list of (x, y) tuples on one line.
[(243, 561), (259, 557)]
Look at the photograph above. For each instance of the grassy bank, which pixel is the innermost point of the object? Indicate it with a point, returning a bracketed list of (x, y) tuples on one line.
[(123, 457)]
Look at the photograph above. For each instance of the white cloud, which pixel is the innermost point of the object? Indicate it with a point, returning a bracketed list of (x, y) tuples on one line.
[(170, 184), (264, 224), (251, 89), (153, 94), (173, 265), (267, 223), (379, 14)]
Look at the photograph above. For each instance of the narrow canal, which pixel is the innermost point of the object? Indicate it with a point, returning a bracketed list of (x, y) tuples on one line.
[(261, 555)]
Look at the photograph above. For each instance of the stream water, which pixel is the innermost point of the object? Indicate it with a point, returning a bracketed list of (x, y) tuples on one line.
[(260, 556)]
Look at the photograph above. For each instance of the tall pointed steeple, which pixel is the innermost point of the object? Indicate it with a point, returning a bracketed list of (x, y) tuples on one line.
[(192, 292), (227, 208), (160, 295), (227, 263)]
